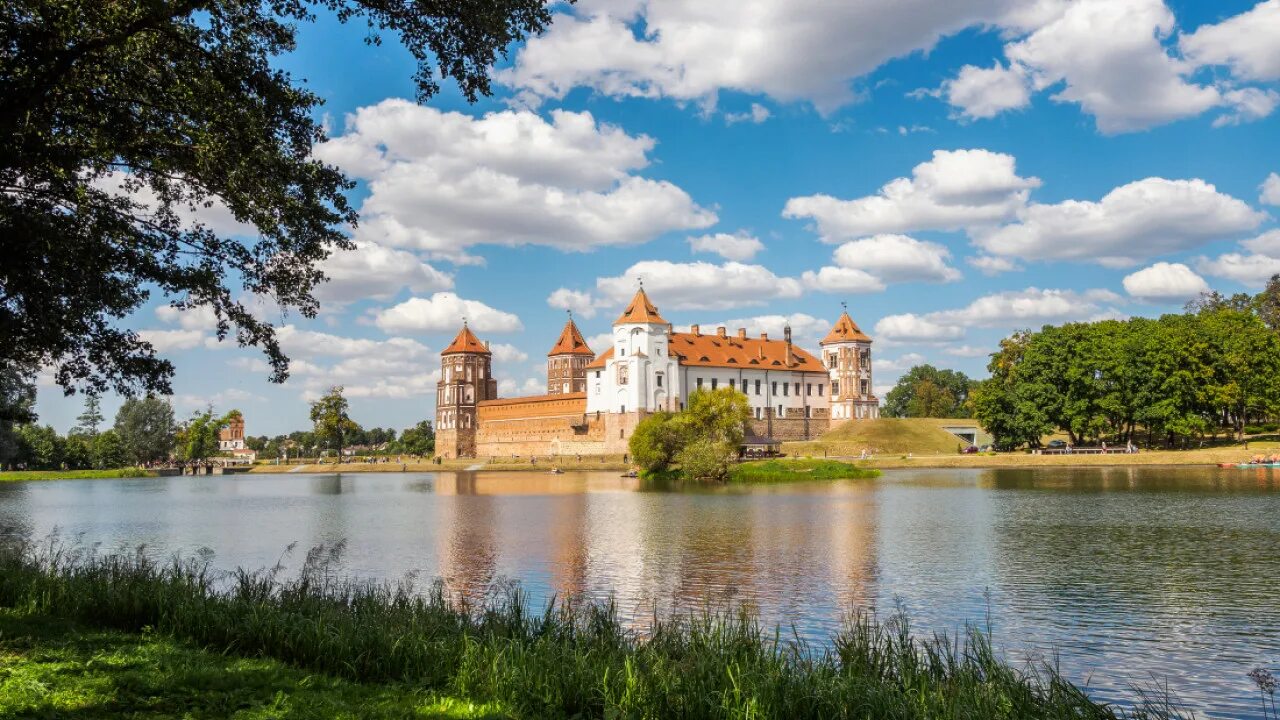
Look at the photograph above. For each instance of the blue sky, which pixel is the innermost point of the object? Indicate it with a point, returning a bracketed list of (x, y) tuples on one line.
[(954, 172)]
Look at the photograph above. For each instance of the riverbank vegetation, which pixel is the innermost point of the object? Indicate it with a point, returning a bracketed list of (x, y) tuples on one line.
[(703, 439), (771, 471), (23, 475), (568, 660), (1168, 381)]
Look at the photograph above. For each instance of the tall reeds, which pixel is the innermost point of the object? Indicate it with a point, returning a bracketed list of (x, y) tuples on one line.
[(568, 659)]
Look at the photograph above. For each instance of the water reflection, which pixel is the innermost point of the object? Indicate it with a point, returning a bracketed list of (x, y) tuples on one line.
[(1121, 573)]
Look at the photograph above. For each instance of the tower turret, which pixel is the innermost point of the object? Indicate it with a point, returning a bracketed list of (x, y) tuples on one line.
[(567, 362), (846, 353), (466, 378)]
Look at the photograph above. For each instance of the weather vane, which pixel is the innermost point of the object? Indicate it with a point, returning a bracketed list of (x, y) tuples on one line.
[(844, 306)]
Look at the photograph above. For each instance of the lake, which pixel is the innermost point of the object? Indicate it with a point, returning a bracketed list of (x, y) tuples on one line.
[(1128, 576)]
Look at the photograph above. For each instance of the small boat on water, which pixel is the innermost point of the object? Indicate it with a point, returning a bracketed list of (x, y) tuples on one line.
[(557, 471)]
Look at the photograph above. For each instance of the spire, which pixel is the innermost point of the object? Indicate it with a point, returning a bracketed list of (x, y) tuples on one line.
[(640, 310), (845, 330), (571, 341), (466, 342)]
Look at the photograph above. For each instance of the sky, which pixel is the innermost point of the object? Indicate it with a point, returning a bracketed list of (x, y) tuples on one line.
[(954, 172)]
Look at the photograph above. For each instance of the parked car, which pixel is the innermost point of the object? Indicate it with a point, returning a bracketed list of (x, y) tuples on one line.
[(971, 450), (1057, 444)]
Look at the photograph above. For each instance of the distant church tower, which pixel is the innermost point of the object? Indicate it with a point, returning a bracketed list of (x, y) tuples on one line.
[(466, 378), (567, 362), (846, 353)]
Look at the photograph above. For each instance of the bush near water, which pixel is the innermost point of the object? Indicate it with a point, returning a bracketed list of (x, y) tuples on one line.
[(567, 660)]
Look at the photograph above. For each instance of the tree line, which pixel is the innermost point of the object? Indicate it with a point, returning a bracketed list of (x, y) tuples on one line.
[(145, 432), (1213, 368)]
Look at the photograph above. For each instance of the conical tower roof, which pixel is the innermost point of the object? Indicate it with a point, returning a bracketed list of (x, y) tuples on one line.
[(466, 342), (640, 310), (845, 330), (571, 342)]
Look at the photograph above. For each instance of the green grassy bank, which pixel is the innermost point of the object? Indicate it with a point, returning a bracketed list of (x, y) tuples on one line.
[(357, 646), (24, 475), (769, 471)]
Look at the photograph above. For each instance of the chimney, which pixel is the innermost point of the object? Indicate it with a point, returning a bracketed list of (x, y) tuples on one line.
[(694, 329), (486, 344), (764, 336), (786, 336), (670, 329), (721, 331), (742, 333)]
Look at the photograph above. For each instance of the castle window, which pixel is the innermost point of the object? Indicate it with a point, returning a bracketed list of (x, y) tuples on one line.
[(775, 388), (780, 413), (714, 382), (797, 389), (866, 390), (819, 389), (659, 379), (622, 374), (699, 383), (786, 388), (597, 374), (808, 389), (757, 387), (835, 387), (731, 387), (831, 360), (806, 411)]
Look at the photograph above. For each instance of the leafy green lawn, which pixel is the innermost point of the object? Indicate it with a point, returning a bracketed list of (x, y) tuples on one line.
[(793, 470), (57, 668)]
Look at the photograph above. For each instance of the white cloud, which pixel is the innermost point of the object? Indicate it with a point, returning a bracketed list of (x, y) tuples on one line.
[(217, 217), (1108, 58), (967, 351), (911, 327), (899, 364), (1270, 190), (1245, 42), (581, 303), (790, 50), (196, 318), (739, 246), (1249, 104), (393, 368), (990, 265), (756, 115), (600, 343), (1254, 270), (898, 258), (531, 386), (1268, 243), (1004, 309), (372, 271), (986, 92), (167, 340), (505, 353), (957, 188), (443, 182), (444, 312), (221, 401), (1143, 219), (842, 280), (700, 285), (1166, 282)]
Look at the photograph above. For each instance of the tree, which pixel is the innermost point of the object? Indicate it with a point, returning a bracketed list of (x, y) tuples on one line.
[(77, 451), (1267, 304), (418, 440), (146, 428), (41, 446), (332, 424), (704, 438), (947, 393), (197, 438), (17, 403), (91, 418), (123, 120), (108, 451), (656, 441)]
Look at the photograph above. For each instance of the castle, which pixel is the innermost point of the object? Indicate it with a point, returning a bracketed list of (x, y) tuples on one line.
[(593, 402)]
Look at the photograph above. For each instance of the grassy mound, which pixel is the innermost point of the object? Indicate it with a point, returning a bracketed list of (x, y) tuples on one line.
[(885, 436), (567, 661), (766, 471)]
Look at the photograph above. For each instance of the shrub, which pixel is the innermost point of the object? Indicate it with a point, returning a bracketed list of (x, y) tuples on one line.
[(1253, 429)]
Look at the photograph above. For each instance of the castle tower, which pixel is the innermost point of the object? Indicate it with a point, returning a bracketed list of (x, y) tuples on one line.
[(642, 374), (846, 353), (466, 378), (567, 362)]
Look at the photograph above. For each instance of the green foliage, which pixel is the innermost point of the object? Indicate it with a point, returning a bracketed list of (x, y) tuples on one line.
[(418, 440), (572, 660), (77, 451), (120, 119), (41, 447), (926, 391), (17, 406), (703, 438), (767, 471), (333, 426), (146, 428), (91, 419), (108, 451), (109, 473), (1176, 377), (197, 439), (655, 441)]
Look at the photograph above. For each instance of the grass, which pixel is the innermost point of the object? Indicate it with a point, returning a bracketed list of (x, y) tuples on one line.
[(768, 471), (24, 475), (53, 667), (519, 464), (569, 660), (885, 436)]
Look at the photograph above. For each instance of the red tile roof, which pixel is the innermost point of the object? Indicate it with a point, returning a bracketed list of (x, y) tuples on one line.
[(640, 310), (570, 342), (845, 330), (601, 359), (735, 351), (466, 342)]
